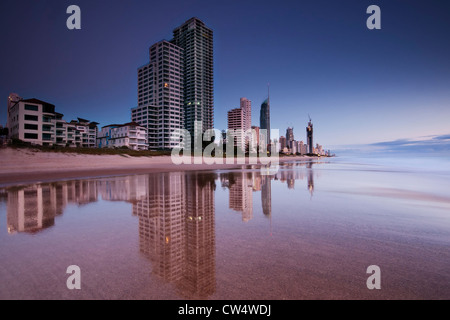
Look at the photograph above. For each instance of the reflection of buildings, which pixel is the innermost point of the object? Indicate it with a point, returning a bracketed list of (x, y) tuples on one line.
[(129, 188), (199, 277), (241, 185), (177, 231), (176, 213), (266, 195), (310, 178), (34, 208), (241, 197), (161, 224)]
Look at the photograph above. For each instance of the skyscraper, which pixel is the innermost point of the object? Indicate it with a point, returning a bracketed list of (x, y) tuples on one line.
[(309, 136), (196, 40), (289, 137), (246, 106), (236, 122), (241, 119), (160, 95), (264, 119)]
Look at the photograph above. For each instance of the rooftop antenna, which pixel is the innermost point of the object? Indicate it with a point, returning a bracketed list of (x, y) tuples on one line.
[(309, 117)]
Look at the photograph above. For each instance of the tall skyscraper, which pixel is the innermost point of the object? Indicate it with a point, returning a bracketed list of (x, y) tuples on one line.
[(309, 136), (160, 95), (246, 106), (241, 119), (289, 137), (236, 122), (196, 40), (264, 119)]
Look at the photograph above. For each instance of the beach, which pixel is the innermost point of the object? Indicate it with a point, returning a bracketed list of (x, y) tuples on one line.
[(144, 228), (29, 165)]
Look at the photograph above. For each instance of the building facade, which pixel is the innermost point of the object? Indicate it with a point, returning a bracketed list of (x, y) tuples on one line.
[(240, 120), (309, 137), (36, 121), (160, 95), (236, 122), (130, 135), (196, 40), (175, 89), (289, 137), (264, 119), (246, 106)]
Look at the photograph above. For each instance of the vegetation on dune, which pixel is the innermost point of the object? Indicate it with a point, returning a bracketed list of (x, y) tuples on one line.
[(18, 144)]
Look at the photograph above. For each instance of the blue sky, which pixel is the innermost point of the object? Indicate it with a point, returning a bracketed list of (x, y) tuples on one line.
[(360, 86)]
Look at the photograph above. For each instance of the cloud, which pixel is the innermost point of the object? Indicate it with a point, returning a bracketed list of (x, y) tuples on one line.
[(431, 144), (442, 137)]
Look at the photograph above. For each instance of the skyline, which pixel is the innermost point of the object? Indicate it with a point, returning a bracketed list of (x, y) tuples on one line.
[(319, 57)]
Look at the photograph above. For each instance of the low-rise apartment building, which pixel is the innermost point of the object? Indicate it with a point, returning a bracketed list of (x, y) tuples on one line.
[(130, 135)]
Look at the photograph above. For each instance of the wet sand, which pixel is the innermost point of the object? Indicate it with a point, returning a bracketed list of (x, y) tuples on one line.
[(310, 232)]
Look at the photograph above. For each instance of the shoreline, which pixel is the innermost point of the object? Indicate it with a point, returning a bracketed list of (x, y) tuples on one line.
[(26, 166)]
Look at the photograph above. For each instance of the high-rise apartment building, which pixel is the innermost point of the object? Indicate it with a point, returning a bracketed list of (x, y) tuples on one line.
[(236, 123), (196, 39), (160, 95), (246, 106), (175, 89), (309, 137), (240, 119), (283, 143), (289, 137)]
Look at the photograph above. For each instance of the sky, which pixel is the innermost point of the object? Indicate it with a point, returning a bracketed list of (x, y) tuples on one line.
[(359, 86)]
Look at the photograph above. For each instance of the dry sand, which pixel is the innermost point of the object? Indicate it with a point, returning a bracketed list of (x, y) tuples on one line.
[(27, 165)]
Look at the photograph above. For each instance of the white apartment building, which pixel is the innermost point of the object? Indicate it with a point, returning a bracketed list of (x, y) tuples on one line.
[(31, 120), (130, 135), (36, 121)]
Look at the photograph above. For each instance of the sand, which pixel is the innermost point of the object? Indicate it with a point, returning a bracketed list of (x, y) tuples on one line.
[(28, 165)]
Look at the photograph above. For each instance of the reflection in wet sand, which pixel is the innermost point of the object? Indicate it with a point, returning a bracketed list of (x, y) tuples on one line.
[(176, 213), (34, 208), (311, 253), (176, 230)]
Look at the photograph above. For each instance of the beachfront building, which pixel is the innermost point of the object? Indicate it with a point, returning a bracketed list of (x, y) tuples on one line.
[(31, 120), (175, 89), (196, 40), (160, 95), (130, 135), (81, 133), (36, 121)]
